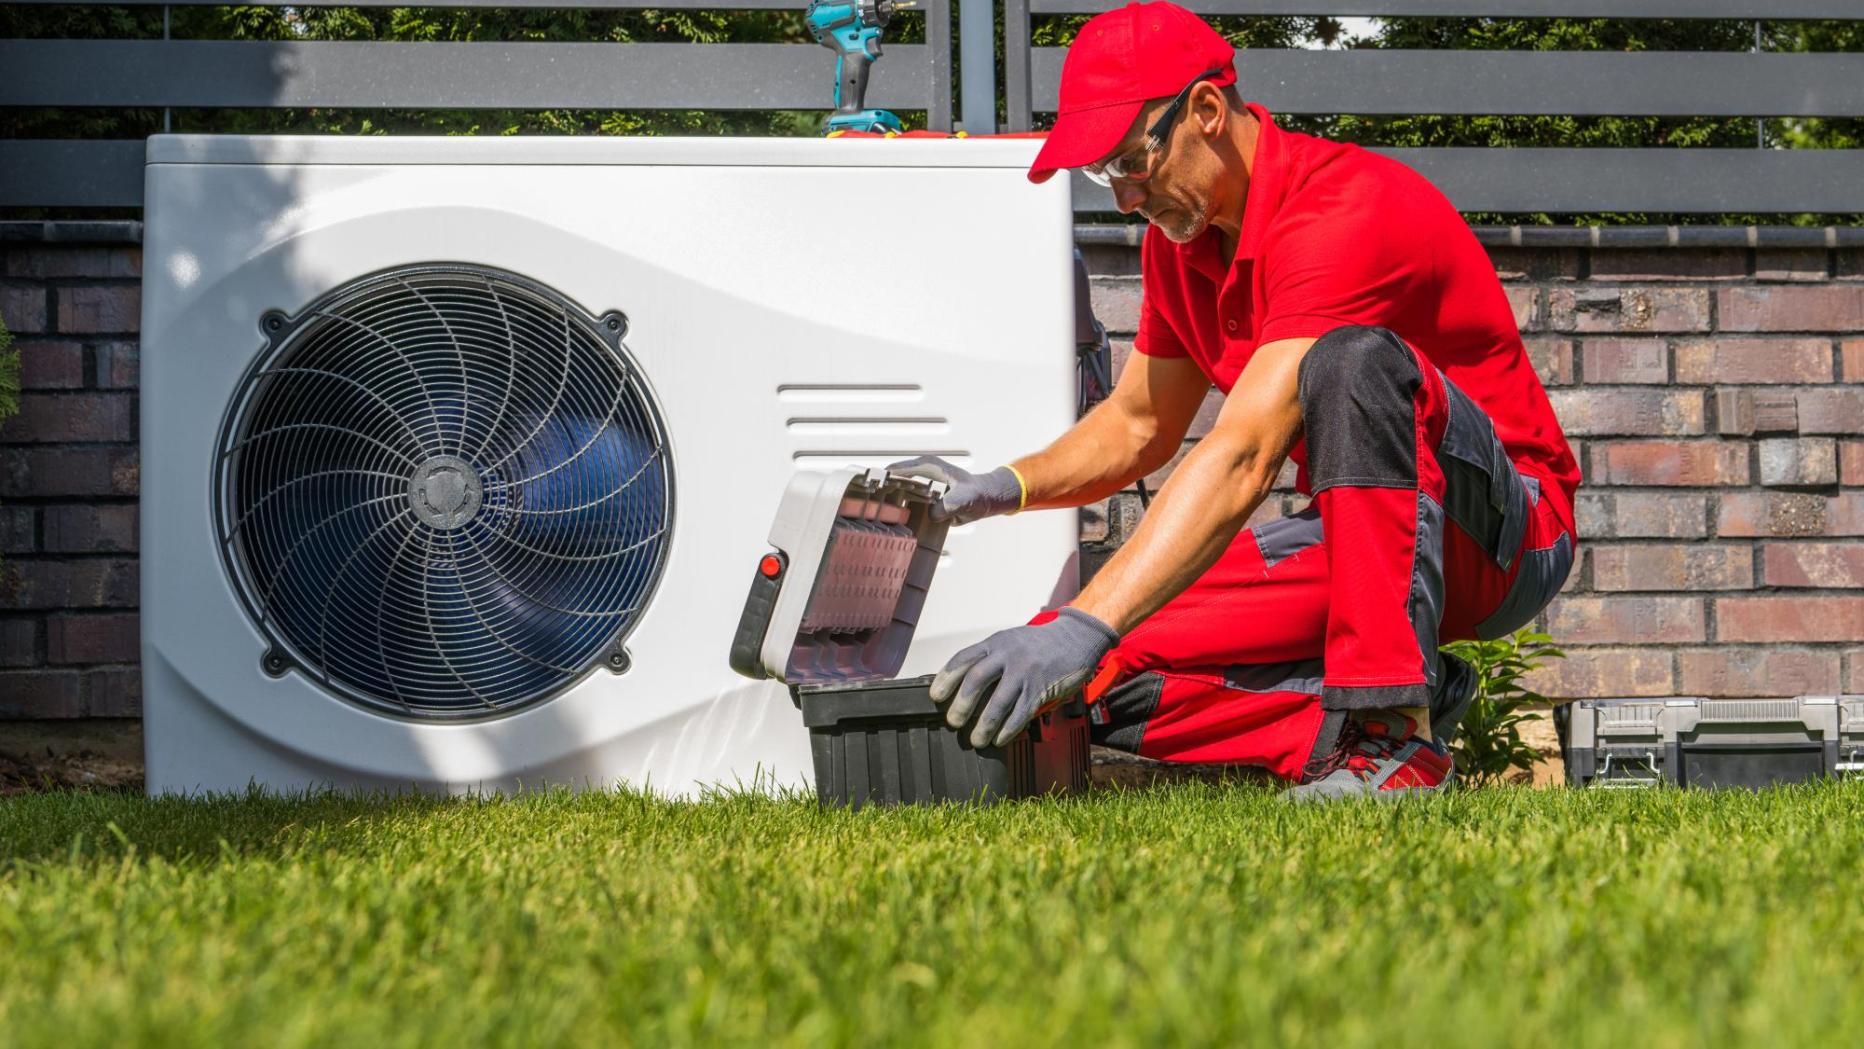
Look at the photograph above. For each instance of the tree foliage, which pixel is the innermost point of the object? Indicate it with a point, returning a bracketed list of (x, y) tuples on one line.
[(1558, 34), (1294, 31)]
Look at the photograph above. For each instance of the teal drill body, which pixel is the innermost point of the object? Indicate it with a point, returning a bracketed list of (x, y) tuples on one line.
[(851, 28)]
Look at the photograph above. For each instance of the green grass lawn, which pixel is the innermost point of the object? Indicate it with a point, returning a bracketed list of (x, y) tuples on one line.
[(1190, 915)]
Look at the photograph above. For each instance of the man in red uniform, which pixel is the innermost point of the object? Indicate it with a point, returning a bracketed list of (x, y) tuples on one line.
[(1354, 324)]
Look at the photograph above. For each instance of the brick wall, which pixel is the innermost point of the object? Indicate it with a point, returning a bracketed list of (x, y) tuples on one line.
[(1715, 398), (1715, 395), (68, 482)]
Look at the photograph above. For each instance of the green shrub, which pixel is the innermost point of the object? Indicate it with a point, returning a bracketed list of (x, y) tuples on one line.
[(1488, 745)]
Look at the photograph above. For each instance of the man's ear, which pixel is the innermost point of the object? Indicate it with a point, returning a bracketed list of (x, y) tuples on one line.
[(1209, 110)]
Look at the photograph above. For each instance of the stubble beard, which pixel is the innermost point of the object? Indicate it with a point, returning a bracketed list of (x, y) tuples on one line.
[(1182, 223)]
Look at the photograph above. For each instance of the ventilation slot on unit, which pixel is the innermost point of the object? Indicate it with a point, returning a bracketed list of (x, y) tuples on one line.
[(834, 424), (444, 491)]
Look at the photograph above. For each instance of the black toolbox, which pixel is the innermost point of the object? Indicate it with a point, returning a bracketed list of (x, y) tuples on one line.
[(1698, 742), (886, 743), (831, 613)]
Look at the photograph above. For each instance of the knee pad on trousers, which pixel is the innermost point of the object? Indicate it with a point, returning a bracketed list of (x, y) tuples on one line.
[(1358, 388)]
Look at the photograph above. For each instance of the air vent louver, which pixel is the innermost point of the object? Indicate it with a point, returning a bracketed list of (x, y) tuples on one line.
[(444, 491)]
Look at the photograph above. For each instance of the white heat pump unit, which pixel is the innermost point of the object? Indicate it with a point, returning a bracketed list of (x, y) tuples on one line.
[(459, 454)]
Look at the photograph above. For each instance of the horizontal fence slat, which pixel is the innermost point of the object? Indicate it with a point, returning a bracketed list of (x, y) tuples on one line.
[(1765, 181), (71, 174), (239, 73), (1572, 83), (109, 173), (1767, 9), (571, 5), (1131, 235)]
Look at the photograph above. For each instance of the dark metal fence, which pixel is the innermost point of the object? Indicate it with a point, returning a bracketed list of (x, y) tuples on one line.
[(420, 75), (175, 73), (1532, 83)]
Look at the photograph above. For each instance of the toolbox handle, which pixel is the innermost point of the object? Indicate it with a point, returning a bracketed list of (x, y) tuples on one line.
[(1629, 781)]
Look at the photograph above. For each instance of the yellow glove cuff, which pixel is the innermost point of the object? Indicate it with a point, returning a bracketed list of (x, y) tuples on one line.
[(1022, 488)]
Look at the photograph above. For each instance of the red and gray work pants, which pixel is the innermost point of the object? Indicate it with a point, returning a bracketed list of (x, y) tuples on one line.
[(1421, 530)]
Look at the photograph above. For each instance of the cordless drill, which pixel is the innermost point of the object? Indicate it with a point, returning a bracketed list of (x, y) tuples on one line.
[(851, 28)]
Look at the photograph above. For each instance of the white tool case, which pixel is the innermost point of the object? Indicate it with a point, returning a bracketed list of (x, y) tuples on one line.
[(1714, 742), (831, 613)]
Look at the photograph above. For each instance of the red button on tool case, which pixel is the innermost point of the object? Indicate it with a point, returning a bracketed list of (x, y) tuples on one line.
[(831, 613)]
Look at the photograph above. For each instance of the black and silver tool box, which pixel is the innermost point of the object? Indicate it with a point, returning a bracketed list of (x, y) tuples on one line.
[(831, 613), (1714, 742)]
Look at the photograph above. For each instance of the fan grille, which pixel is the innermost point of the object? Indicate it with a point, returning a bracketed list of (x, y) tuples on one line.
[(444, 491)]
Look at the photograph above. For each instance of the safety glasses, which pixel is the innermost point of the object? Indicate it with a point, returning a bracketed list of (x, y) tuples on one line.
[(1136, 164)]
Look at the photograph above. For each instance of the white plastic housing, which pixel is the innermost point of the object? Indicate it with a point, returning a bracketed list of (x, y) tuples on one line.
[(814, 508), (794, 303)]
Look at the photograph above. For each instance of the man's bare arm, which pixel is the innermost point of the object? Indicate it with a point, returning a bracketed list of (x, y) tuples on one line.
[(1209, 496), (1134, 431)]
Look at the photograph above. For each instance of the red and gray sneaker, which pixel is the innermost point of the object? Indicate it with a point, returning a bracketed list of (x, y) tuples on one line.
[(1377, 756)]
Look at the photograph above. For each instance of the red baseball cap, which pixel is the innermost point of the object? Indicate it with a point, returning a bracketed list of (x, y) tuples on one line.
[(1121, 60)]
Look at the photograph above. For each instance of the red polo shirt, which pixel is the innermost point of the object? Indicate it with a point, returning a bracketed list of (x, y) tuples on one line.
[(1335, 235)]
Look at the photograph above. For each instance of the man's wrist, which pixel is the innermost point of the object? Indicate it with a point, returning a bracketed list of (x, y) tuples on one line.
[(1091, 621), (1000, 491), (1101, 607), (1022, 488)]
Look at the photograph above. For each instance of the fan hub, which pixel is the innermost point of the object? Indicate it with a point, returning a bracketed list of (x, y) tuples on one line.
[(445, 492)]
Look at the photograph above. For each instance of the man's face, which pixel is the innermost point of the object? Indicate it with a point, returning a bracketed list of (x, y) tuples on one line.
[(1176, 194)]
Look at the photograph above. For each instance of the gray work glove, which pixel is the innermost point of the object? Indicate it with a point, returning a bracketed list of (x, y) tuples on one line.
[(968, 497), (1018, 672)]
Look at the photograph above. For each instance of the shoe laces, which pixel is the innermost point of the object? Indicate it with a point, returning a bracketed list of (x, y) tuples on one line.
[(1358, 751)]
